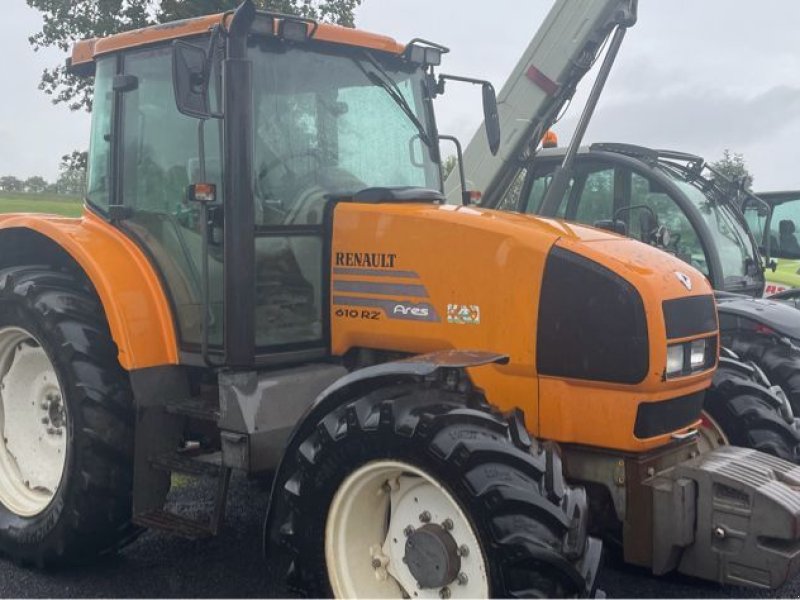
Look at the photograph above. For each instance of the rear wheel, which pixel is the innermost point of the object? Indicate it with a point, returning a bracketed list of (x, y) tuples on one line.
[(66, 420), (740, 410), (408, 493)]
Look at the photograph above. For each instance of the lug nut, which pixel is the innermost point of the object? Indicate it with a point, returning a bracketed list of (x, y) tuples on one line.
[(462, 579), (719, 533), (45, 420), (444, 592), (425, 516), (376, 563), (448, 524), (408, 530), (51, 430), (463, 551)]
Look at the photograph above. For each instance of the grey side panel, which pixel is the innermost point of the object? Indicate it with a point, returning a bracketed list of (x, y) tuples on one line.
[(258, 411)]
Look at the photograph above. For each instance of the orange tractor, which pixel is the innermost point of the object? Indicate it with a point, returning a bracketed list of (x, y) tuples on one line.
[(266, 278)]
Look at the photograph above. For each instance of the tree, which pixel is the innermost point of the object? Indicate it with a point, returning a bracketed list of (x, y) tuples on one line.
[(9, 183), (72, 178), (450, 163), (734, 168), (67, 21), (35, 184)]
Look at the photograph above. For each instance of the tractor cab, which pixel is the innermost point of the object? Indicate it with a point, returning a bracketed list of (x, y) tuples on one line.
[(780, 227), (220, 144)]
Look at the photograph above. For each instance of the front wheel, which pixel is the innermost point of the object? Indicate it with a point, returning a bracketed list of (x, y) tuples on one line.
[(407, 493)]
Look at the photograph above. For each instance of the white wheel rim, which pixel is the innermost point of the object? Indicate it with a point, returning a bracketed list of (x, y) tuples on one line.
[(710, 433), (365, 534), (33, 422)]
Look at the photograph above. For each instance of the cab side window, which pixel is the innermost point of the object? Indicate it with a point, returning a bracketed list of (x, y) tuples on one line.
[(785, 230), (595, 201), (160, 158), (98, 180), (683, 240)]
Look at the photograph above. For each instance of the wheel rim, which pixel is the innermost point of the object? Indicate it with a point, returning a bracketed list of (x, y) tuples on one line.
[(33, 421), (393, 531), (710, 433)]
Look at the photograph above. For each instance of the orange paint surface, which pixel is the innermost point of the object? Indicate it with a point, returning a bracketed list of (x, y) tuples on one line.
[(136, 307), (470, 261), (87, 50)]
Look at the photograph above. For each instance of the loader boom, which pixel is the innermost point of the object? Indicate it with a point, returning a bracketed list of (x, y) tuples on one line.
[(561, 52)]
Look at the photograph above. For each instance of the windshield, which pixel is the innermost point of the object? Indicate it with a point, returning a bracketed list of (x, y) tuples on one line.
[(335, 123), (730, 235)]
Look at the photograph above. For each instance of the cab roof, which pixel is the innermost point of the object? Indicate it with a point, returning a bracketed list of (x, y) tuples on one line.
[(85, 52)]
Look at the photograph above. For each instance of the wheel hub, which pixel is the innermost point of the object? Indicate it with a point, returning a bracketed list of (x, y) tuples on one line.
[(33, 422), (394, 531), (432, 556)]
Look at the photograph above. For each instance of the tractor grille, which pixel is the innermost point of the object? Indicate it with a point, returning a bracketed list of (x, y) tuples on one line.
[(658, 418), (690, 317), (592, 323)]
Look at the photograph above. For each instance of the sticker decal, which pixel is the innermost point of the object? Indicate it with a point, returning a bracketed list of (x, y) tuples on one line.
[(684, 279), (393, 309), (464, 314)]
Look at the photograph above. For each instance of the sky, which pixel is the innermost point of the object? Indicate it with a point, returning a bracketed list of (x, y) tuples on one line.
[(693, 75)]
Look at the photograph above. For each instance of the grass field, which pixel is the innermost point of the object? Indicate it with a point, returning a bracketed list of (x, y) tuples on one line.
[(41, 203)]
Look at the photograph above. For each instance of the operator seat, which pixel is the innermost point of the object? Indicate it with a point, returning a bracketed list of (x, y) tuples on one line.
[(787, 238)]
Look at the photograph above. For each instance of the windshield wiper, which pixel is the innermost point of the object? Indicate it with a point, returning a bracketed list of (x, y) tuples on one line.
[(383, 80)]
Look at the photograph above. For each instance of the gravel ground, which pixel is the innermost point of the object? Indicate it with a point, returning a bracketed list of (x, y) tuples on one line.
[(161, 566)]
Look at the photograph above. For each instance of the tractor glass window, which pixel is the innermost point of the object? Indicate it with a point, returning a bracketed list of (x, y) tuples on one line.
[(735, 247), (650, 207), (785, 230), (596, 200), (334, 124), (98, 181), (159, 161), (532, 205)]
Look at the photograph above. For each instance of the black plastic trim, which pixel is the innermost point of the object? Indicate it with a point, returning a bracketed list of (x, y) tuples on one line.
[(658, 418), (377, 195), (689, 317), (592, 322)]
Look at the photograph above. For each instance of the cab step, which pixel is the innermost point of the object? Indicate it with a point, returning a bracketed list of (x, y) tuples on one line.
[(175, 524), (195, 465), (204, 465), (200, 409)]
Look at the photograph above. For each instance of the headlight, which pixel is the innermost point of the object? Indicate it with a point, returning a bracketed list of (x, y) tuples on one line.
[(691, 357), (675, 360), (697, 355)]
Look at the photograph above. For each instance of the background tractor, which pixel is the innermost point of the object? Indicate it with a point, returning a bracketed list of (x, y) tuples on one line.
[(780, 227), (267, 278)]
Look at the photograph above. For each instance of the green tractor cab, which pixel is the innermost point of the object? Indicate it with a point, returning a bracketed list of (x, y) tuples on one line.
[(782, 223)]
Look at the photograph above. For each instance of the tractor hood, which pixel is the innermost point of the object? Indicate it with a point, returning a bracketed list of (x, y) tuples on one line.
[(415, 278)]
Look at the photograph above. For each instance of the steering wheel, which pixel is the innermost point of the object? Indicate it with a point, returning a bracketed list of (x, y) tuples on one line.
[(278, 196), (267, 168)]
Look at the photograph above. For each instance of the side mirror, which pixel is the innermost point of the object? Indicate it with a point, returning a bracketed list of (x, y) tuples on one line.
[(189, 80), (491, 117)]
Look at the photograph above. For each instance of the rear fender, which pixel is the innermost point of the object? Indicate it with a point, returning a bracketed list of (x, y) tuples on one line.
[(136, 307)]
